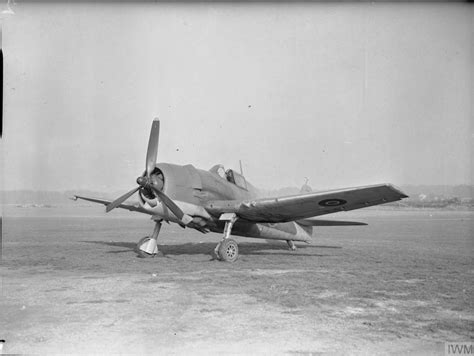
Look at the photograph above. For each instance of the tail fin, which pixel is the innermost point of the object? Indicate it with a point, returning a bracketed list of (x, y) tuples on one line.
[(306, 188)]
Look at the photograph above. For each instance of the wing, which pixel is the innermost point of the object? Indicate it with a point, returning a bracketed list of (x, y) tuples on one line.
[(297, 207), (107, 202)]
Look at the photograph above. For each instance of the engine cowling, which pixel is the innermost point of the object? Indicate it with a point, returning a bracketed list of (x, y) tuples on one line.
[(180, 183)]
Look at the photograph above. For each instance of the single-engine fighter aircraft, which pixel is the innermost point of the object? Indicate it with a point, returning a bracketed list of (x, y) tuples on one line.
[(222, 201)]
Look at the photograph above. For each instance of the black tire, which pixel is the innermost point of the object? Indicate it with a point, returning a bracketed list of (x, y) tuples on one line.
[(141, 253), (228, 250), (216, 252)]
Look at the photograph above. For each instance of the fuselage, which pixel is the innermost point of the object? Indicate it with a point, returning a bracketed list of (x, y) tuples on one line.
[(192, 189)]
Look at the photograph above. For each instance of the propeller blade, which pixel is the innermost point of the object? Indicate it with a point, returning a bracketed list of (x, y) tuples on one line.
[(176, 210), (152, 151), (121, 199)]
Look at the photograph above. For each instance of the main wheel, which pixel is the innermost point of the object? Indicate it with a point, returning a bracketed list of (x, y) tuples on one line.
[(142, 243), (228, 250), (216, 251)]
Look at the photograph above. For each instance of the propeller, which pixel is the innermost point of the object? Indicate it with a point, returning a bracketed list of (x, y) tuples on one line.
[(146, 182), (121, 199), (152, 151), (170, 204)]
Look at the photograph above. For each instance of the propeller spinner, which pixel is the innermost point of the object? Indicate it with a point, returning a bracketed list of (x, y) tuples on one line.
[(145, 181)]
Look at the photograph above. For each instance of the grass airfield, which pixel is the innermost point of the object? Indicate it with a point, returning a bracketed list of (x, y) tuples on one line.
[(71, 283)]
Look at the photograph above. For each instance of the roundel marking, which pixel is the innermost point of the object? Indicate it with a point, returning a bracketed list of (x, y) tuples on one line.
[(332, 202)]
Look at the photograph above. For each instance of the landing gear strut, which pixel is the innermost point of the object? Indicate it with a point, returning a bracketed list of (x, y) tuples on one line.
[(227, 250), (148, 246)]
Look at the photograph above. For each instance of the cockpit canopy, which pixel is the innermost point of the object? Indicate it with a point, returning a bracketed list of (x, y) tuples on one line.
[(236, 178), (230, 175)]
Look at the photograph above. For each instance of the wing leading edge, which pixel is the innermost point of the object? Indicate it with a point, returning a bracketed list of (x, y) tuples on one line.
[(303, 206)]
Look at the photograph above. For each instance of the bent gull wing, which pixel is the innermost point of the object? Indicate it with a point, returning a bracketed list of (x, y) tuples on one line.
[(302, 206)]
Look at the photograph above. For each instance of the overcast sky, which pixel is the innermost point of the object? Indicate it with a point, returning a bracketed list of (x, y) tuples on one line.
[(344, 94)]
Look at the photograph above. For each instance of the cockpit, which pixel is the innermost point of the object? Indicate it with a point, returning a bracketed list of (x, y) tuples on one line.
[(230, 175)]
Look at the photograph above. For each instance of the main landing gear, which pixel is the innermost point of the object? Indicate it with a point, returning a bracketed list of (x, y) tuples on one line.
[(227, 250), (148, 246)]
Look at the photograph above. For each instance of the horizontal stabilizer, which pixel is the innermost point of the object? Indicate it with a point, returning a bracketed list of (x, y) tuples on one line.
[(318, 222)]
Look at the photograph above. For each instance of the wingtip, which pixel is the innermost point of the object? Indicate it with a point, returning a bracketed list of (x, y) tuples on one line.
[(398, 190)]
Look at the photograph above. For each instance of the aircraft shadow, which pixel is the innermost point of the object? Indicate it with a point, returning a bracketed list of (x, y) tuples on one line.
[(207, 248)]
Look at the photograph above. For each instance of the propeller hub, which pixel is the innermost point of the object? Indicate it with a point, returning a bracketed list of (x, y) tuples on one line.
[(142, 181)]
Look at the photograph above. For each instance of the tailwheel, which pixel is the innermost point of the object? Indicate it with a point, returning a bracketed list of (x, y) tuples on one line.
[(291, 245), (228, 250)]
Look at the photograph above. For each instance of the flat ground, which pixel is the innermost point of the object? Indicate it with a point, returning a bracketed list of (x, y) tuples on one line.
[(72, 284)]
